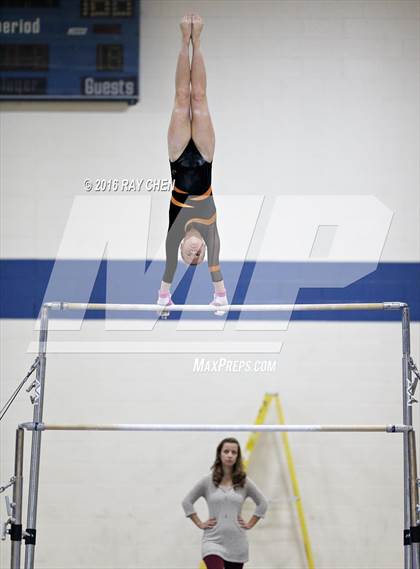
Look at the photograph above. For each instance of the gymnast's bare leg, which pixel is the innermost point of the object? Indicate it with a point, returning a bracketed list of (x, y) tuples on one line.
[(179, 132), (202, 127)]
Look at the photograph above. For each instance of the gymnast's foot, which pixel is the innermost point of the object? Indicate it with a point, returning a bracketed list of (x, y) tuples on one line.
[(197, 26), (186, 27)]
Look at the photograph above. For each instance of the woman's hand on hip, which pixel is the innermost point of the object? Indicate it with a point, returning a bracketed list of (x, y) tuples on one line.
[(243, 523), (210, 523)]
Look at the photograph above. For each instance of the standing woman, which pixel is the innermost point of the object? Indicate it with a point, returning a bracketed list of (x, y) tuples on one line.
[(191, 141), (224, 542)]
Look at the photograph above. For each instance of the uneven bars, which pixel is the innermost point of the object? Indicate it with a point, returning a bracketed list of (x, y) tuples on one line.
[(227, 308), (210, 428)]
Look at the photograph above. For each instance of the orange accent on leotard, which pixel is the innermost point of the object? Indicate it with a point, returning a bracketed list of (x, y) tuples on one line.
[(203, 196), (179, 204), (179, 191), (202, 220)]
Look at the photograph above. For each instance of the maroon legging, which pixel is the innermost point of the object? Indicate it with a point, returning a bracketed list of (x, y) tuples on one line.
[(216, 562)]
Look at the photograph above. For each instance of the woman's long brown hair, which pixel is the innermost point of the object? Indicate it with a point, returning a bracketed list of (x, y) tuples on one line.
[(238, 472)]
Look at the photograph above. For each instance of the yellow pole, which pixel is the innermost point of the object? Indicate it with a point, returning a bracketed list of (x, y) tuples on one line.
[(254, 437), (295, 485)]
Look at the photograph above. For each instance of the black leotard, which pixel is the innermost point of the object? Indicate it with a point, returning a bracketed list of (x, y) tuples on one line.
[(192, 206), (191, 172)]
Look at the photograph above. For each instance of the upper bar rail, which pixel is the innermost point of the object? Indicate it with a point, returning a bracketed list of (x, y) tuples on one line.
[(227, 307)]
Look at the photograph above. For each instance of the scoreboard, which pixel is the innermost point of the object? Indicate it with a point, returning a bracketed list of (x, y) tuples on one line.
[(83, 50)]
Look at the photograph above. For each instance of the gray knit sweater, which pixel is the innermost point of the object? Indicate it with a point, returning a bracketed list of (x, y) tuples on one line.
[(226, 539)]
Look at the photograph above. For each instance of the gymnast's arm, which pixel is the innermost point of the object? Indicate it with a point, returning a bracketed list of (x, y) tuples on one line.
[(173, 239), (212, 239)]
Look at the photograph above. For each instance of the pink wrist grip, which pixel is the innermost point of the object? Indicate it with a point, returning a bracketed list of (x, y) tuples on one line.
[(164, 294), (219, 294)]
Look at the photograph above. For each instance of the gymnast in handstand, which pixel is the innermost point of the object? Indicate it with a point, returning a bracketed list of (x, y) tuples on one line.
[(191, 141)]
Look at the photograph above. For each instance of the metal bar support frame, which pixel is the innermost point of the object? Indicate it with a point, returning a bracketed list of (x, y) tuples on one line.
[(411, 533), (411, 498), (14, 508), (38, 401)]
